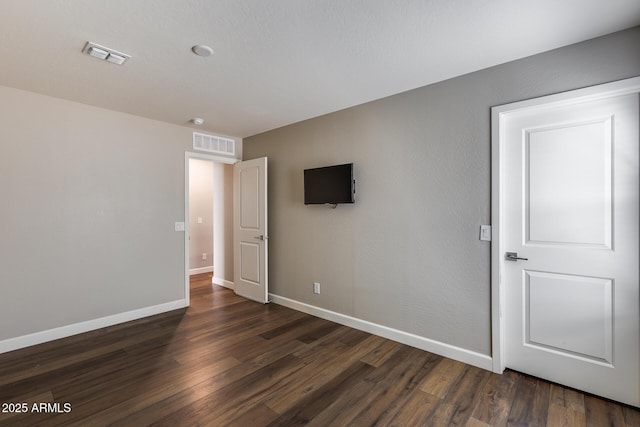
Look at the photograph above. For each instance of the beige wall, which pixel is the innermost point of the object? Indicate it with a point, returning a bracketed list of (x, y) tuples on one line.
[(88, 201), (223, 222), (406, 255), (200, 206)]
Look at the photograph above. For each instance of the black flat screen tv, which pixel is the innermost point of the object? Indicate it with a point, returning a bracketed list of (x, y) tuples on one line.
[(329, 185)]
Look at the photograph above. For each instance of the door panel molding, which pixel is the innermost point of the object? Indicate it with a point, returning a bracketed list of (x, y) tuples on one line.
[(543, 327), (551, 185)]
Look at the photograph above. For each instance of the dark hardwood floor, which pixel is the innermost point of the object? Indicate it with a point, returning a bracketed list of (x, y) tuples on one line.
[(230, 362)]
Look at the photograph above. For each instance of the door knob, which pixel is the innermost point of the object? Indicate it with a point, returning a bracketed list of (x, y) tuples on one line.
[(261, 237), (513, 256)]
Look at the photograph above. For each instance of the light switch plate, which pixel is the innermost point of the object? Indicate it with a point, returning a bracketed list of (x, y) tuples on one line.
[(179, 226), (485, 232)]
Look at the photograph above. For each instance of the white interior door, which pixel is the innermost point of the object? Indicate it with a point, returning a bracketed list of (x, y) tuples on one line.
[(250, 230), (570, 211)]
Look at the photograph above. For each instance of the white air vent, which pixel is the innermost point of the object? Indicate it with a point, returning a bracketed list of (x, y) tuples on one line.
[(106, 53), (214, 144)]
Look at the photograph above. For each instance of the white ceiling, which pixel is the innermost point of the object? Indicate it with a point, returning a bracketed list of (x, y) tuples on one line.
[(280, 61)]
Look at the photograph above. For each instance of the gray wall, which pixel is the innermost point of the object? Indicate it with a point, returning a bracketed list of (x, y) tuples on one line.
[(88, 201), (200, 206), (406, 254)]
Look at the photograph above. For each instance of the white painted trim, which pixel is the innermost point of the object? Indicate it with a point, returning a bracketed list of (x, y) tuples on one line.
[(222, 282), (89, 325), (187, 280), (191, 155), (463, 355), (498, 114), (591, 93), (213, 158), (201, 270)]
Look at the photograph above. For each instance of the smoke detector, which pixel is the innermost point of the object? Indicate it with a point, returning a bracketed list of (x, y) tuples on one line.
[(106, 53), (202, 50)]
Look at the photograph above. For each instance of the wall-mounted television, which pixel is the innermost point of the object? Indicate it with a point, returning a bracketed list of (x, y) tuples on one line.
[(329, 185)]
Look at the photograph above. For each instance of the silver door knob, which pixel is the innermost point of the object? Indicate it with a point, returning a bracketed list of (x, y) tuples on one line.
[(261, 237), (513, 256)]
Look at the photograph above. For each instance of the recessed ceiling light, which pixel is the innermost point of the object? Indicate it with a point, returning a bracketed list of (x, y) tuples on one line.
[(197, 121), (202, 50)]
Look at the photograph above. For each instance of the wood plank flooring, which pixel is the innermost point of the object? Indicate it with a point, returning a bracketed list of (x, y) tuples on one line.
[(230, 362)]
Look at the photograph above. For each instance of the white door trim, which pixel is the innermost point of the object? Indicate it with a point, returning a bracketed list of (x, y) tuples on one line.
[(191, 155), (498, 114)]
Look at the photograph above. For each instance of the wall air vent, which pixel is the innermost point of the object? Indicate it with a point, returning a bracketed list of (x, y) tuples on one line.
[(214, 144)]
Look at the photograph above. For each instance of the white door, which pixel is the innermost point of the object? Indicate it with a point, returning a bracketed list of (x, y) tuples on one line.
[(570, 212), (250, 230)]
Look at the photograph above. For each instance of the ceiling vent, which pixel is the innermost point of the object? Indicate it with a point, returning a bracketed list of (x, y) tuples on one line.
[(106, 53), (214, 144)]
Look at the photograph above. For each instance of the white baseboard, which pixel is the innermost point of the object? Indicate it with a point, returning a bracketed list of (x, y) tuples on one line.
[(222, 282), (89, 325), (200, 270), (452, 352)]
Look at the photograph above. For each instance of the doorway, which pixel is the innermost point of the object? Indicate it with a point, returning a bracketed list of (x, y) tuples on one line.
[(209, 218), (201, 218), (565, 275)]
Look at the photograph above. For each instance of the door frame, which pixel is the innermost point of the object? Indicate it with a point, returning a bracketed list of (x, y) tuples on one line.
[(187, 156), (498, 115)]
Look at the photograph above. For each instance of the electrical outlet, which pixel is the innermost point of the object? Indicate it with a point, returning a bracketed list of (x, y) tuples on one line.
[(316, 288), (204, 256)]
